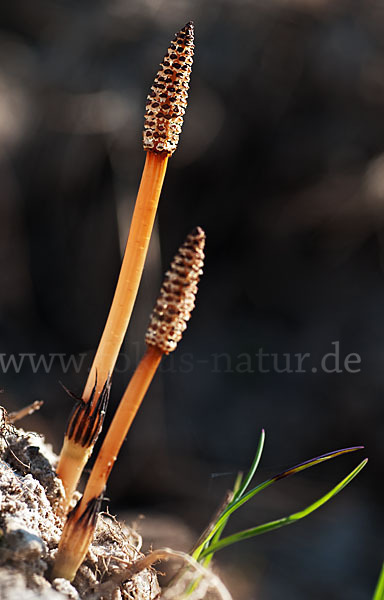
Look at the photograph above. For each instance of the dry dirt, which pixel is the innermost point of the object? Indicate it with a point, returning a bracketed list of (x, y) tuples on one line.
[(31, 521)]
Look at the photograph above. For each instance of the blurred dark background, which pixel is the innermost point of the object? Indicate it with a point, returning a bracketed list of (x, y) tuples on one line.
[(281, 161)]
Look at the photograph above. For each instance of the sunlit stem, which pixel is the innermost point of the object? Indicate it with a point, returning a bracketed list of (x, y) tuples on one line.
[(121, 422), (75, 541), (73, 457), (131, 271)]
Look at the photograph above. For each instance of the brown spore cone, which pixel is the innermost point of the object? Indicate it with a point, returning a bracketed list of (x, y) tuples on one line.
[(177, 296), (167, 100)]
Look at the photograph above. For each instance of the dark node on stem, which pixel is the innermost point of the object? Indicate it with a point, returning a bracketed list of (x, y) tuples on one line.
[(88, 518), (77, 535), (87, 418)]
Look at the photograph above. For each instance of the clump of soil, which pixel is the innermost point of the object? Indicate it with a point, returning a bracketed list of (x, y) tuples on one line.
[(31, 521)]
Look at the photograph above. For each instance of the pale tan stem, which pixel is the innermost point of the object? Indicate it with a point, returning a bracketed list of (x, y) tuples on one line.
[(73, 459)]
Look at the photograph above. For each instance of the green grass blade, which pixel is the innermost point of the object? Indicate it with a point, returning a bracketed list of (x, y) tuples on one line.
[(237, 502), (379, 591), (204, 545), (219, 531), (238, 483), (252, 470), (272, 525), (239, 488)]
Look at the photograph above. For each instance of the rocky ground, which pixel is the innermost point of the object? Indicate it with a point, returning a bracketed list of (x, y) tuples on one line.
[(31, 521)]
